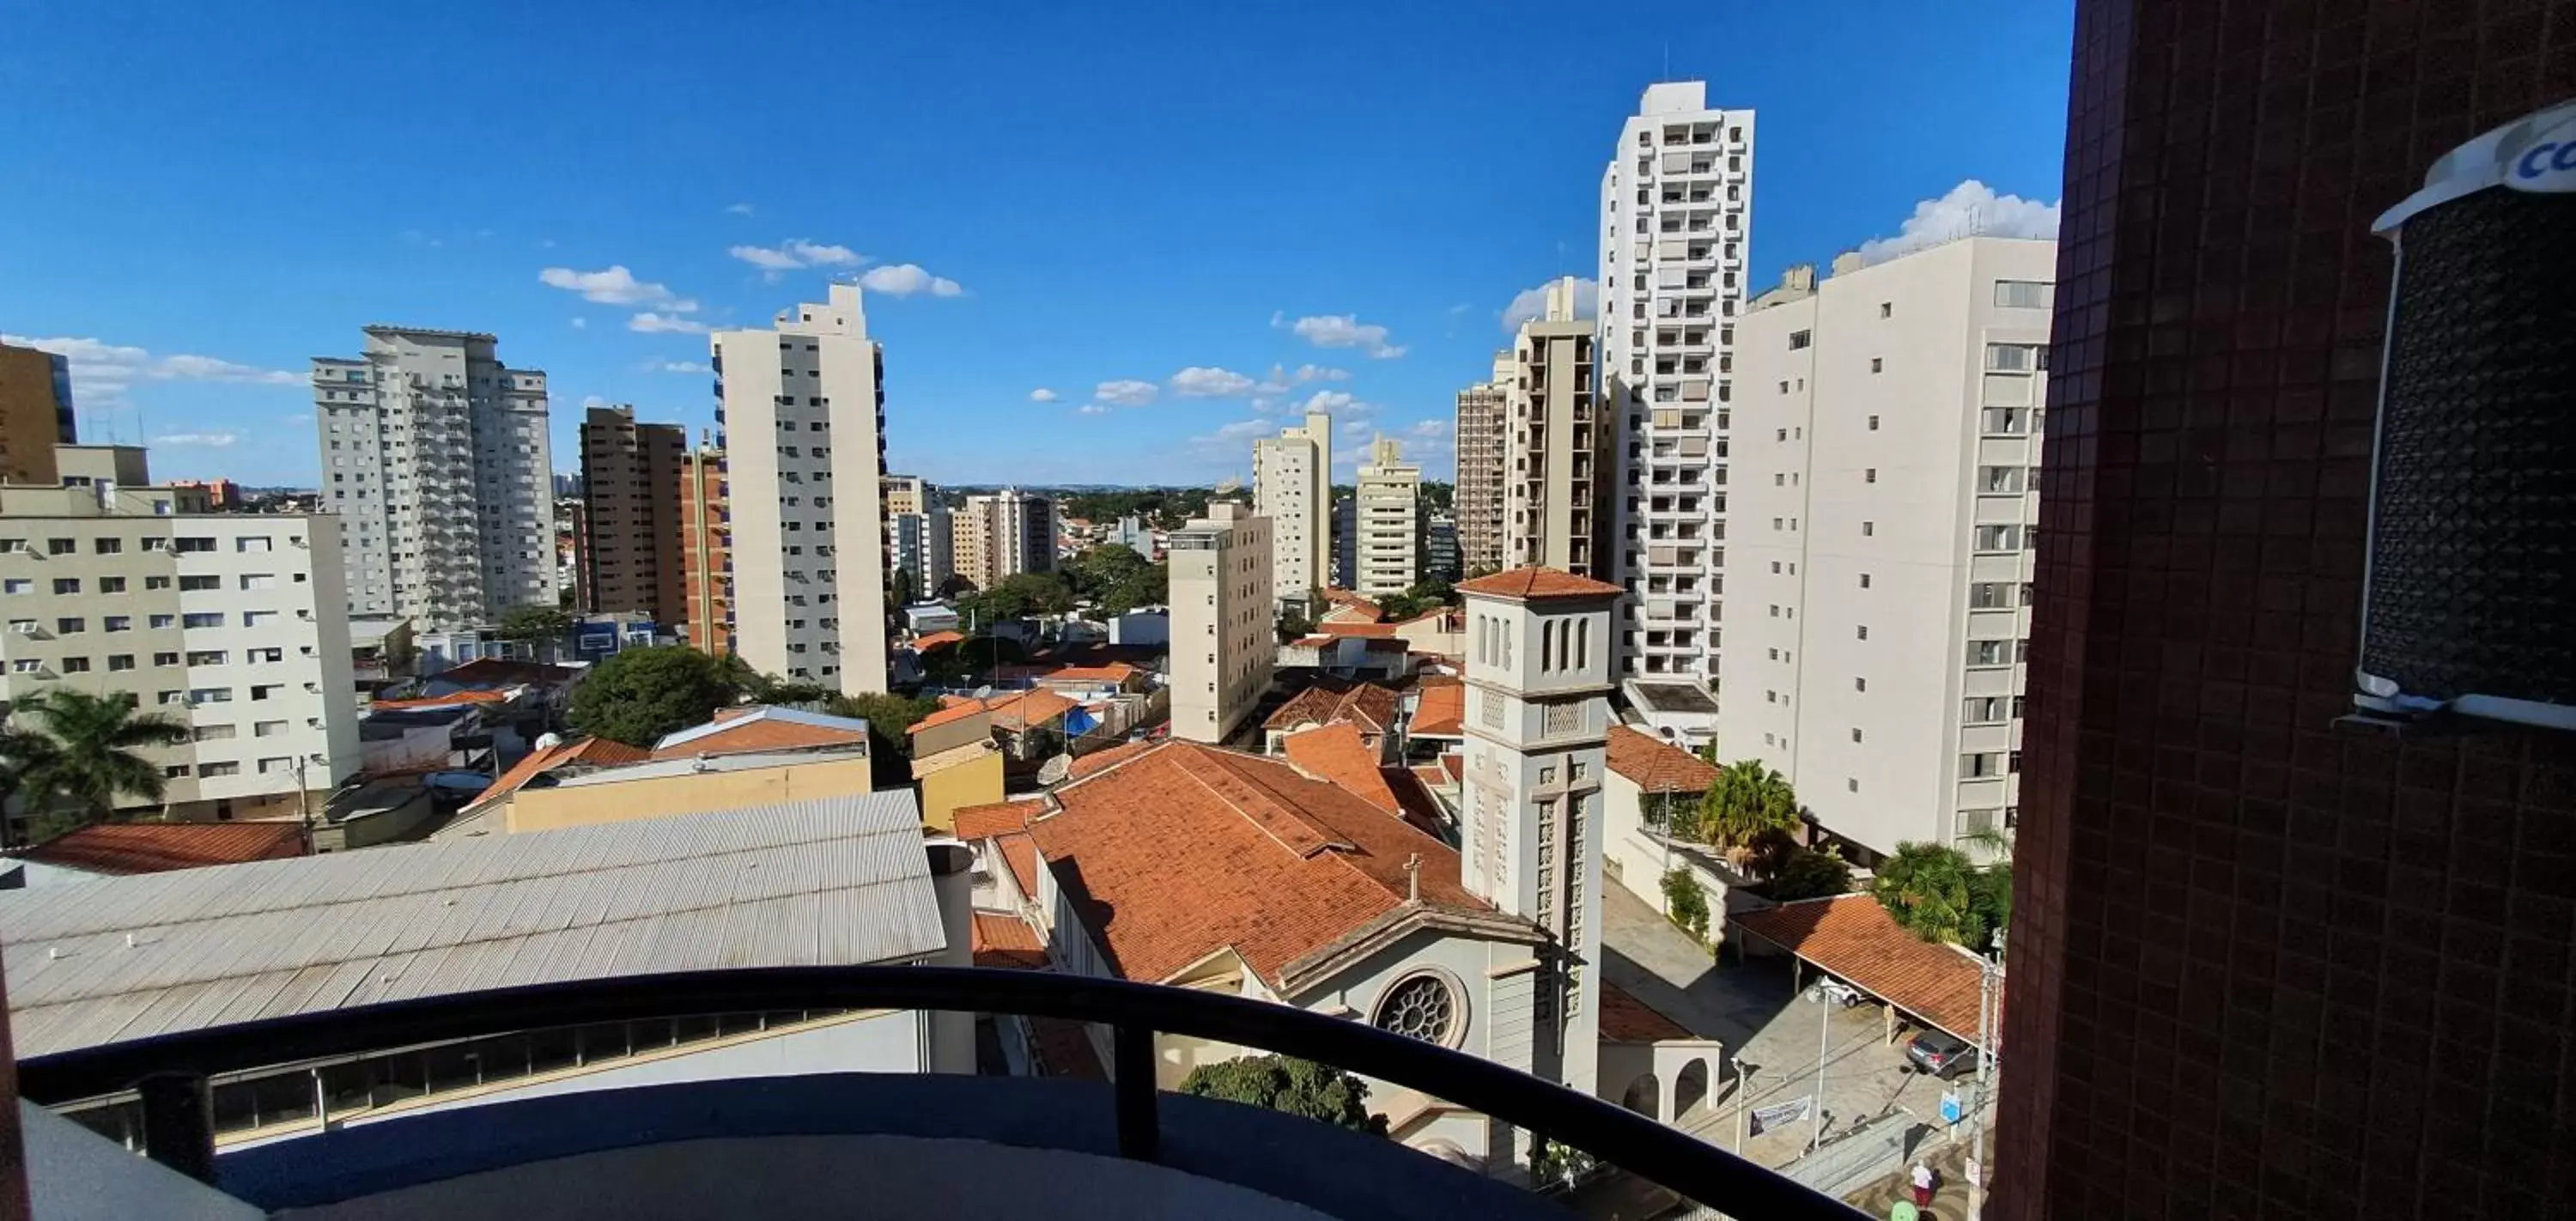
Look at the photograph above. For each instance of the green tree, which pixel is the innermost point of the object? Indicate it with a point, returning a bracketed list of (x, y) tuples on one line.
[(638, 695), (1811, 874), (1150, 585), (90, 757), (1293, 625), (1686, 903), (1017, 597), (907, 587), (1935, 891), (1097, 571), (24, 754), (1747, 801), (1288, 1084), (752, 686), (888, 716), (534, 623), (957, 583)]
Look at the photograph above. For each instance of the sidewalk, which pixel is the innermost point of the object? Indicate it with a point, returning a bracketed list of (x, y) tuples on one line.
[(1949, 1185)]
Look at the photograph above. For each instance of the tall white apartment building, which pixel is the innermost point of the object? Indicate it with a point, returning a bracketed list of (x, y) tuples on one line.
[(1560, 447), (923, 546), (1387, 524), (234, 623), (1002, 534), (802, 404), (1223, 639), (1886, 446), (1676, 208), (1292, 486), (435, 457), (1481, 457)]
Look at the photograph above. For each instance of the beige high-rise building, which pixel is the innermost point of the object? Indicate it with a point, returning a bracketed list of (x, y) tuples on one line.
[(804, 417), (1676, 206), (35, 414), (1481, 461), (706, 558), (1223, 611), (630, 523), (904, 493), (1885, 450), (1292, 486), (1388, 523), (999, 535), (1560, 447), (234, 623)]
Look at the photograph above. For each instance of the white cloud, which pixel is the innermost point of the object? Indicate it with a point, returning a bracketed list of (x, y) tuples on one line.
[(580, 324), (1093, 409), (1231, 436), (305, 418), (794, 253), (1041, 395), (1126, 392), (1309, 373), (677, 366), (905, 279), (1531, 303), (739, 209), (208, 440), (616, 286), (1281, 379), (652, 323), (1328, 400), (102, 372), (1970, 208), (1429, 430), (1340, 331), (1204, 382)]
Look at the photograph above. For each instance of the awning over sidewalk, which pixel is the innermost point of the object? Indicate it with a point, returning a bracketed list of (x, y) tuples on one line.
[(1852, 938)]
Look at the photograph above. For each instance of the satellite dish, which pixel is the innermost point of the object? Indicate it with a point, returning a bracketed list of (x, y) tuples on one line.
[(546, 741), (1229, 486), (984, 692), (1054, 770)]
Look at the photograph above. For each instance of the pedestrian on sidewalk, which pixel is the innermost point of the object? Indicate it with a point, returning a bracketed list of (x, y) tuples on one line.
[(1922, 1185)]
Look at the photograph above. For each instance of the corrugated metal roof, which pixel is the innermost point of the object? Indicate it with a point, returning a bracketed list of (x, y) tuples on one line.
[(831, 881)]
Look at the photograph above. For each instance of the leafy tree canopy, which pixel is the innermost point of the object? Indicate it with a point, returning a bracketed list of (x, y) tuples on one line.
[(1934, 890), (86, 754), (1017, 597), (535, 621), (1811, 874), (638, 695), (1747, 801), (1286, 1083), (907, 587)]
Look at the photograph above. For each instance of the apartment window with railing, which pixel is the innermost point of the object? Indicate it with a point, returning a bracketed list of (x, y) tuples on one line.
[(2024, 294)]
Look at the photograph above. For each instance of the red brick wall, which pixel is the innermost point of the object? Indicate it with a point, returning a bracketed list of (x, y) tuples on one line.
[(2262, 967)]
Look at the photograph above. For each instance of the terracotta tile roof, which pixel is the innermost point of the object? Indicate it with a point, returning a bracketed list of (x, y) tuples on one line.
[(1000, 818), (1537, 582), (936, 641), (1441, 712), (1114, 672), (450, 699), (1188, 849), (155, 847), (503, 672), (767, 728), (1029, 709), (1348, 607), (1854, 938), (1006, 941), (1377, 631), (1367, 705), (1432, 775), (1655, 765), (595, 752), (1020, 854), (1064, 1049), (1316, 641), (1413, 797), (1335, 753), (958, 711), (1625, 1019), (1102, 760), (1454, 764)]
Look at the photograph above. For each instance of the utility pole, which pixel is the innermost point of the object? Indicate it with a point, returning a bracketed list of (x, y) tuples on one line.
[(303, 805), (1824, 1027), (1989, 977)]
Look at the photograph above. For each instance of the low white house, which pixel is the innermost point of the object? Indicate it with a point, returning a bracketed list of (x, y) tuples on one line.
[(1644, 775)]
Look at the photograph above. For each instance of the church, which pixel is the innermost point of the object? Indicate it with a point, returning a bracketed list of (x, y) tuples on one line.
[(1194, 866)]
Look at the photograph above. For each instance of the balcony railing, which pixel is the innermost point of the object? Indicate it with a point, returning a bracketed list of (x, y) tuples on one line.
[(170, 1072)]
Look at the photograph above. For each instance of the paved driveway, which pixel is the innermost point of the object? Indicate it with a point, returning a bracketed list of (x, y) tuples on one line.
[(1749, 1007)]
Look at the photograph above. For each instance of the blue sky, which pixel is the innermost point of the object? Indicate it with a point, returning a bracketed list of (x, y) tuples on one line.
[(194, 201)]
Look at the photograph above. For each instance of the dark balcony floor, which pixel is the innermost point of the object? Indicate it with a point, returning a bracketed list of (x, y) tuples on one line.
[(854, 1145)]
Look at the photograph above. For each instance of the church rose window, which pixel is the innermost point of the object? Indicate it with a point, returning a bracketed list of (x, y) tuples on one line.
[(1421, 1007)]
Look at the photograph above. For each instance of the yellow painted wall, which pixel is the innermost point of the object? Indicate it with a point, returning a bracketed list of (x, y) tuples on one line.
[(971, 782), (698, 793)]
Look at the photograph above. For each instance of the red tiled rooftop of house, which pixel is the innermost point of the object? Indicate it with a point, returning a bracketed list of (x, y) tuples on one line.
[(1853, 937), (1020, 855), (1187, 849), (1348, 607), (1029, 709), (1441, 712), (766, 728), (1367, 705), (1366, 631), (1336, 753), (503, 672), (1656, 766), (936, 641), (1114, 672), (1454, 765), (1625, 1019), (1006, 941), (1316, 641), (448, 700), (1538, 582), (1103, 760), (155, 847), (596, 752), (999, 818), (960, 709)]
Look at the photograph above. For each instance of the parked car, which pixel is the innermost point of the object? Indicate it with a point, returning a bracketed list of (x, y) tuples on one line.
[(1941, 1055), (1842, 994)]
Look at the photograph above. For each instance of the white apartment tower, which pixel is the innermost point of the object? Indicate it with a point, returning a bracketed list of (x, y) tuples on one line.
[(1223, 642), (1676, 208), (435, 457), (233, 623), (1886, 449), (1292, 486), (1387, 525), (1481, 458), (1541, 659), (802, 405), (1002, 534), (1560, 447)]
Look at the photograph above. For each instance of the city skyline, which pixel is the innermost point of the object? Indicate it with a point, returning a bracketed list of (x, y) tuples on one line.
[(1043, 266)]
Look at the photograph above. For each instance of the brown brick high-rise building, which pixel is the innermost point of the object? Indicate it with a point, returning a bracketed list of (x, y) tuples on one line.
[(2263, 965), (35, 414), (705, 551), (630, 532)]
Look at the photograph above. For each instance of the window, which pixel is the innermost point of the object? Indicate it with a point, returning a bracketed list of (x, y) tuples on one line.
[(208, 657), (2016, 358), (258, 618), (111, 585), (120, 661), (199, 584), (164, 621), (1800, 339), (70, 625), (1981, 765), (165, 659), (1855, 733), (2024, 294), (267, 729), (156, 582), (1869, 475), (118, 623), (1886, 309), (1852, 782), (276, 763), (1873, 423), (1869, 529), (2000, 480), (1864, 631), (1878, 364), (17, 585), (1996, 538), (1989, 652), (23, 627), (185, 545), (1860, 684), (259, 580), (107, 546), (210, 733), (58, 546), (75, 665), (1984, 710), (218, 769), (66, 585), (210, 695), (24, 665), (202, 619)]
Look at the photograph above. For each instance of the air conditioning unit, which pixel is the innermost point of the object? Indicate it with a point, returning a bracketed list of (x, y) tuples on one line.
[(2468, 602)]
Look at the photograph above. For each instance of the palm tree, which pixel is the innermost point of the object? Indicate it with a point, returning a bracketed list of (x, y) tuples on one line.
[(1931, 889), (93, 743), (23, 754), (1746, 803)]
